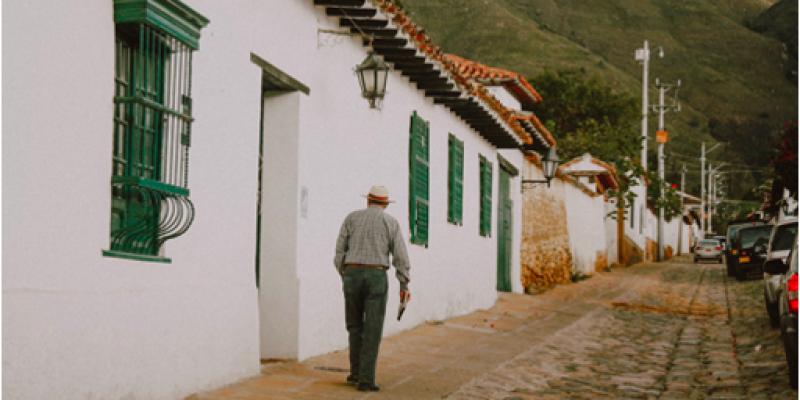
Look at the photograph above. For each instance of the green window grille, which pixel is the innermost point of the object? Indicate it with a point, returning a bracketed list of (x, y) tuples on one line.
[(486, 197), (455, 180), (418, 180), (152, 126)]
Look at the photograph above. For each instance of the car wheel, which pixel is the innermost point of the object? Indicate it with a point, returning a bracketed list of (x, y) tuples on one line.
[(791, 359), (729, 269), (695, 260), (741, 273), (772, 311)]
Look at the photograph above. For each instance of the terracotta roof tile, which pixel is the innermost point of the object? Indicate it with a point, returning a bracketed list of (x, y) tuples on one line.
[(512, 81), (467, 82)]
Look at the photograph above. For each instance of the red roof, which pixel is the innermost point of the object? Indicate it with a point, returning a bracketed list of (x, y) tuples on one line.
[(512, 81)]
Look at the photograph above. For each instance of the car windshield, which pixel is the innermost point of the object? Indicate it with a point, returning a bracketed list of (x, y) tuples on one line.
[(784, 237), (732, 231), (709, 242), (752, 236)]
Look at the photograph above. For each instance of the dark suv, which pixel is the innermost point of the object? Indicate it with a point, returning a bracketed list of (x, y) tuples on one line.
[(747, 239), (731, 252)]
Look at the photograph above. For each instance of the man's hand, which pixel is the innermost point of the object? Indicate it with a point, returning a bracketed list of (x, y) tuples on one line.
[(405, 296)]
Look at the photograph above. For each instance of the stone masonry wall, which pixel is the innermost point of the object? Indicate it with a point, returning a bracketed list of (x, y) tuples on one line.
[(601, 261), (546, 258), (632, 253)]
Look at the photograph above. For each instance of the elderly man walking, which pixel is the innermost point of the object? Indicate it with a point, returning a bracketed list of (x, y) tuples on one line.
[(366, 239)]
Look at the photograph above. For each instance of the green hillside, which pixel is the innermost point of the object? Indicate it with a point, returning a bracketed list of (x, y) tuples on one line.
[(728, 71)]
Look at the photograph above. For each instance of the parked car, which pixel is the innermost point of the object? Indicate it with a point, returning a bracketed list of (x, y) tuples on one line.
[(722, 240), (781, 241), (708, 249), (731, 251), (787, 306), (747, 239)]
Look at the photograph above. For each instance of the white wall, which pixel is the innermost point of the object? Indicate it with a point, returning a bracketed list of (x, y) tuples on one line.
[(345, 148), (78, 325), (640, 229), (505, 97), (585, 222), (279, 287), (671, 234), (610, 222)]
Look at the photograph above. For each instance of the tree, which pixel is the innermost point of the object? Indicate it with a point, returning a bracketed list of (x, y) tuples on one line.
[(671, 201), (749, 144), (785, 165), (585, 115)]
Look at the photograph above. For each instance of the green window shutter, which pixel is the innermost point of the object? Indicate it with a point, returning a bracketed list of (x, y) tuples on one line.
[(152, 127), (455, 180), (418, 180), (485, 197)]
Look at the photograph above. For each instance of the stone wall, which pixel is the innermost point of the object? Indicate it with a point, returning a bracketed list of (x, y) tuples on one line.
[(632, 253), (601, 261), (651, 249), (546, 258)]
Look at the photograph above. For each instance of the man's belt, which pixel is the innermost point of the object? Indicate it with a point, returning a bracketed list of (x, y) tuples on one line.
[(365, 266)]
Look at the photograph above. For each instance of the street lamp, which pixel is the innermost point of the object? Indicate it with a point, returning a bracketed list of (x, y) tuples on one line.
[(549, 165), (372, 74)]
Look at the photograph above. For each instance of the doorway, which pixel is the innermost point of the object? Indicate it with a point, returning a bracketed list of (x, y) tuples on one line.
[(505, 219), (276, 211)]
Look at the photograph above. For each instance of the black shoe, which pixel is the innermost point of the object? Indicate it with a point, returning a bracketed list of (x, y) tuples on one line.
[(368, 387), (352, 380)]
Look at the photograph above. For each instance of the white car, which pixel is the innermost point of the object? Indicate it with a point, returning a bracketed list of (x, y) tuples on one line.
[(780, 244)]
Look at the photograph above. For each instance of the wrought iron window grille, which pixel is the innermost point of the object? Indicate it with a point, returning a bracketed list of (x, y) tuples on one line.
[(152, 127)]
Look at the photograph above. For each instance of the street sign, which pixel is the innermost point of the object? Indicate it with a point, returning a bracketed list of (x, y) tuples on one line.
[(661, 136)]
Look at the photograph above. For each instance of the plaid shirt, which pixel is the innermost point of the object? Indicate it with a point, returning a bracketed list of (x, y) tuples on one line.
[(367, 237)]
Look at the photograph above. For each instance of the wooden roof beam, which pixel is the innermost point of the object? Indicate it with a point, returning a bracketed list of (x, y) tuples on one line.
[(352, 12), (340, 3)]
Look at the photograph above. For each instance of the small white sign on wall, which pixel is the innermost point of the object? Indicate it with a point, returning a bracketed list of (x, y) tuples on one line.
[(304, 202)]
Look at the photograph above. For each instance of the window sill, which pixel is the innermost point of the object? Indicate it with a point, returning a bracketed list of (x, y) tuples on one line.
[(135, 256)]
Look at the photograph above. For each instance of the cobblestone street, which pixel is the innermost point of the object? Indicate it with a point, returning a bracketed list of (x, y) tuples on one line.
[(673, 330)]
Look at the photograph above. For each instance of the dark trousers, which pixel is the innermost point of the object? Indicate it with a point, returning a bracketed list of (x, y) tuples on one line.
[(365, 306)]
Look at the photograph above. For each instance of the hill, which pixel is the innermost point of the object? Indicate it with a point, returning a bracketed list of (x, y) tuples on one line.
[(728, 71)]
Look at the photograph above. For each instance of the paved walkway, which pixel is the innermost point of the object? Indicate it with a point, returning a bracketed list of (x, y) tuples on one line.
[(670, 330)]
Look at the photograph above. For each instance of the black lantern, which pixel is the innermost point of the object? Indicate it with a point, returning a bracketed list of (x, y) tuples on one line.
[(372, 74), (549, 165)]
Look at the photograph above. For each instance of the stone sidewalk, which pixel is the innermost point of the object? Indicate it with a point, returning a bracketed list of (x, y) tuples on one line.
[(673, 330), (435, 359)]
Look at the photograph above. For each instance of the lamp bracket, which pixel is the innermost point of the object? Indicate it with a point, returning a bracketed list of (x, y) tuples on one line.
[(331, 37), (531, 183)]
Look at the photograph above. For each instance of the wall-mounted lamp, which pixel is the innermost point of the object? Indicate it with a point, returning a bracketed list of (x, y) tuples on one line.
[(550, 165), (372, 74)]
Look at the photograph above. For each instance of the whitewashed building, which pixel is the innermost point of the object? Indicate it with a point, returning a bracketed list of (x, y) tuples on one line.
[(178, 172), (591, 214)]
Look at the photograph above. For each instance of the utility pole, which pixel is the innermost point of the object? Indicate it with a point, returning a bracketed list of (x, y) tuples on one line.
[(643, 55), (680, 223), (703, 152), (712, 197), (713, 175), (703, 188), (661, 138)]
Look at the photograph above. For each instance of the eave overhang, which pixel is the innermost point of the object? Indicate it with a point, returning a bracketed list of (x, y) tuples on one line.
[(405, 46)]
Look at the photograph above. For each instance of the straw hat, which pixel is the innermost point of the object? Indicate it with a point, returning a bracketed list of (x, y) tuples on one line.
[(379, 194)]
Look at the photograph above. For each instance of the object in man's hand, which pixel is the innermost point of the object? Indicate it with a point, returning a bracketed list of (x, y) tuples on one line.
[(405, 296)]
